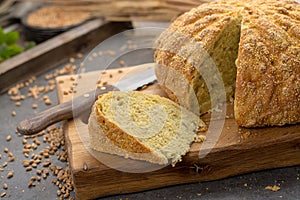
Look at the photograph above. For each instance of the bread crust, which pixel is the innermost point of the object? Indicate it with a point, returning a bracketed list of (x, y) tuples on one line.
[(268, 64), (118, 137), (106, 137), (268, 86), (142, 126)]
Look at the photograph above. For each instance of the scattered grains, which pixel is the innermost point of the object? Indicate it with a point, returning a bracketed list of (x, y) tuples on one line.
[(72, 78), (122, 62), (41, 133), (31, 184), (111, 53), (246, 134), (13, 113), (5, 186), (45, 97), (46, 155), (71, 60), (3, 194), (34, 106), (48, 102), (11, 159), (66, 195), (38, 172), (10, 174), (28, 168), (36, 141), (26, 163), (8, 138), (79, 55), (54, 136), (34, 92), (4, 164), (27, 146), (46, 163), (45, 171), (34, 146), (273, 188)]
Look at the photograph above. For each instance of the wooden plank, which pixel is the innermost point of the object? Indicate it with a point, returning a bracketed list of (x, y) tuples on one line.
[(237, 151), (55, 51)]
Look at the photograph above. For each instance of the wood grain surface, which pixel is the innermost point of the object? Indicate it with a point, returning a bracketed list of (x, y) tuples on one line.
[(237, 150)]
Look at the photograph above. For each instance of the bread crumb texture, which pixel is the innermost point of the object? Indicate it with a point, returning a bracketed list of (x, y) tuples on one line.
[(142, 126), (256, 47), (273, 188)]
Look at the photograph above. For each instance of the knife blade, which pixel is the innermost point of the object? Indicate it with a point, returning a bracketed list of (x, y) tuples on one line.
[(81, 104)]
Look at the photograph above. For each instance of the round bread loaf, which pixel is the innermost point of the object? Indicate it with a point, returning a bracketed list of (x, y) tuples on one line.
[(255, 46)]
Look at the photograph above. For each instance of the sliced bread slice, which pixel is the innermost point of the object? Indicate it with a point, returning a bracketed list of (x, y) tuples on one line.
[(142, 127)]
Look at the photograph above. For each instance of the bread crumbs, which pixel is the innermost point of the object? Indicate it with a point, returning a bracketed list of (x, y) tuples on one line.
[(273, 188)]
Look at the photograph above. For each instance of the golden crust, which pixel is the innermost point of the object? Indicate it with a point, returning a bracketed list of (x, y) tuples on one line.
[(268, 72), (103, 141), (161, 134), (117, 136), (268, 84)]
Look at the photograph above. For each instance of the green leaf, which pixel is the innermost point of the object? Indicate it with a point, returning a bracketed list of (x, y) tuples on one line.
[(11, 51), (11, 37), (3, 48), (2, 36), (29, 45)]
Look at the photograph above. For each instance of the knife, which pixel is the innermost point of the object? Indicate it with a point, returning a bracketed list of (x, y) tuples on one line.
[(82, 104)]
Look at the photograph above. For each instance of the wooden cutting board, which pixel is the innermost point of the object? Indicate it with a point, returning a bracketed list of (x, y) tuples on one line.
[(237, 150)]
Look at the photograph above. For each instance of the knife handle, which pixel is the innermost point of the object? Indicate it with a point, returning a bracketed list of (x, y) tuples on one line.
[(64, 111)]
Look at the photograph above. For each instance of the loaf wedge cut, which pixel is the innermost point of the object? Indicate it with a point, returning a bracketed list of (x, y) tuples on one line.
[(142, 127)]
